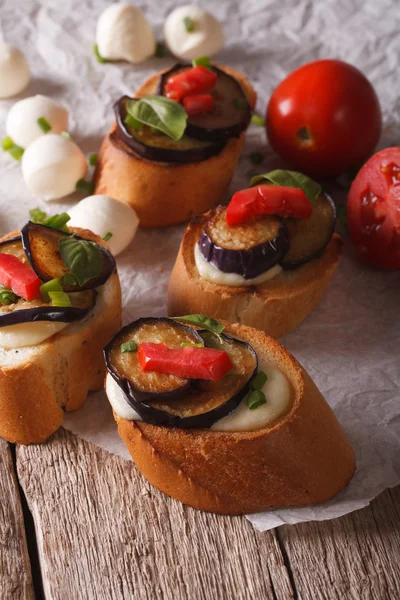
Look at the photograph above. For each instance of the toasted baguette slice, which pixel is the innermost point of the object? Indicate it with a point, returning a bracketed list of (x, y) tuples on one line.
[(37, 383), (276, 306), (302, 458), (164, 194)]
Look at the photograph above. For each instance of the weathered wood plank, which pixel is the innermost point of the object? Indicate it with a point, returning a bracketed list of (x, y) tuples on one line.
[(356, 556), (15, 569), (103, 532)]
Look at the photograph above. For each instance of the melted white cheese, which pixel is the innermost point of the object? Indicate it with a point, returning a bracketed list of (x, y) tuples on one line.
[(28, 334), (210, 273), (118, 401)]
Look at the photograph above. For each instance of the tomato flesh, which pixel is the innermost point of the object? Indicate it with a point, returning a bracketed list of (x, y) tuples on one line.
[(188, 362), (19, 277), (373, 210), (193, 81), (198, 104), (268, 200)]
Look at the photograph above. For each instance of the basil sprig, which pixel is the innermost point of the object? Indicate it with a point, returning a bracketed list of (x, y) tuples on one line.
[(161, 113), (202, 321), (293, 179), (82, 257)]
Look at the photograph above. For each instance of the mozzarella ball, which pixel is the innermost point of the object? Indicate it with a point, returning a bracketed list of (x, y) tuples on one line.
[(52, 165), (206, 39), (102, 214), (14, 71), (123, 33), (22, 119)]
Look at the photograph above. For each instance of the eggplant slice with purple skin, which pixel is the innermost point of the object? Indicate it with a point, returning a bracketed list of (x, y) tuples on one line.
[(157, 146), (199, 403), (231, 115), (41, 247), (248, 250), (309, 237)]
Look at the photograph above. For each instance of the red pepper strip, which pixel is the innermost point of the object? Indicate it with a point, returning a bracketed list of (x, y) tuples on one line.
[(193, 81), (198, 104), (19, 277), (188, 362), (268, 200)]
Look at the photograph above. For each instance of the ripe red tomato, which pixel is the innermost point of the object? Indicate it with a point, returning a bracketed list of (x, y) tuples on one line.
[(324, 118), (373, 209)]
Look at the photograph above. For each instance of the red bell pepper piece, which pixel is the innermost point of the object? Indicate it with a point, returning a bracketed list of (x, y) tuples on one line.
[(19, 277), (198, 104), (268, 200), (188, 362), (193, 81)]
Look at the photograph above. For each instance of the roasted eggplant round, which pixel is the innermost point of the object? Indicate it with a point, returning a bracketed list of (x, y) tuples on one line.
[(231, 114), (308, 238), (199, 404), (41, 245), (248, 250), (157, 146)]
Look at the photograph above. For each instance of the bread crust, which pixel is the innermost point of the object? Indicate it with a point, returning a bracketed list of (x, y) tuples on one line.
[(165, 194), (303, 458), (38, 383), (276, 306)]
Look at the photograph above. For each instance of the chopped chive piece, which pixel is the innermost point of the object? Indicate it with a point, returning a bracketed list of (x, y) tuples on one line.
[(69, 279), (54, 285), (161, 50), (44, 124), (132, 122), (7, 296), (59, 299), (108, 236), (58, 222), (256, 158), (16, 152), (7, 143), (97, 54), (67, 135), (255, 399), (240, 103), (130, 346), (257, 120), (202, 61), (189, 24), (85, 186), (93, 159), (189, 345), (259, 381), (37, 215)]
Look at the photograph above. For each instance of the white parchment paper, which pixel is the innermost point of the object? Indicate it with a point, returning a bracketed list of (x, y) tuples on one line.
[(350, 343)]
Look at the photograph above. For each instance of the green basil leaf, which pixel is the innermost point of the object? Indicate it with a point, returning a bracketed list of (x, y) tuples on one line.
[(311, 188), (82, 257), (202, 321), (161, 113)]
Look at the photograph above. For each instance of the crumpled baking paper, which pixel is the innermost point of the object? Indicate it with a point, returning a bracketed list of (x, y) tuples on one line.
[(350, 343)]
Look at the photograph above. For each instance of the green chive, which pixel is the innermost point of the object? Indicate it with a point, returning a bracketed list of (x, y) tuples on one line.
[(255, 399), (69, 279), (129, 346), (44, 124), (59, 299), (132, 122), (66, 135), (7, 143), (93, 159), (161, 50), (7, 296), (37, 215), (85, 186), (189, 345), (16, 152), (259, 381), (54, 285), (97, 54), (189, 24), (240, 103), (257, 120), (202, 61), (108, 236), (256, 158), (58, 222)]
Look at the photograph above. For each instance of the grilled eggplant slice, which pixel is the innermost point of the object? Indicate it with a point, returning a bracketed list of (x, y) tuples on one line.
[(248, 250), (40, 244), (309, 237), (159, 147), (231, 114), (199, 403)]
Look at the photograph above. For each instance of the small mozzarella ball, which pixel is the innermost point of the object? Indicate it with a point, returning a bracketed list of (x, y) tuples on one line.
[(123, 33), (22, 120), (206, 39), (102, 214), (14, 71), (52, 165)]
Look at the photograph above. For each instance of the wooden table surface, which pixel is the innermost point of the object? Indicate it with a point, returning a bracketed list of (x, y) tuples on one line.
[(79, 523)]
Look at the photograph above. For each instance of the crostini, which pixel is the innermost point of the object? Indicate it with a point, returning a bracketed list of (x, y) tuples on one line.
[(60, 304), (173, 149), (263, 261), (223, 418)]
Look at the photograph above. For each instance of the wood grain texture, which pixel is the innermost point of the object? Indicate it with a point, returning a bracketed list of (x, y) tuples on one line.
[(15, 569), (104, 533)]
